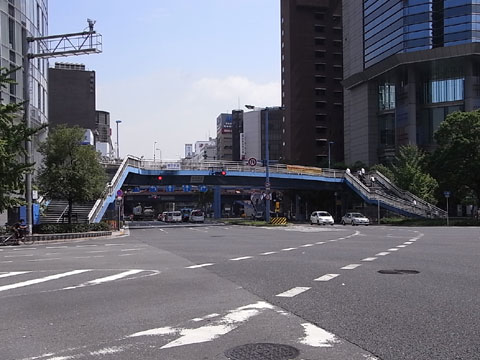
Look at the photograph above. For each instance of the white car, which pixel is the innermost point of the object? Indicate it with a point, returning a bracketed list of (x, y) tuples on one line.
[(197, 216), (174, 216), (321, 218), (355, 218)]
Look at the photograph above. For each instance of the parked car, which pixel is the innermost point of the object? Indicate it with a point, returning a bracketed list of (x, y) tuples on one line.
[(162, 216), (355, 218), (197, 216), (321, 218), (174, 216)]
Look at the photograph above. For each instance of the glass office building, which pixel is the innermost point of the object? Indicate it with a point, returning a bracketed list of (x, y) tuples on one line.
[(419, 64)]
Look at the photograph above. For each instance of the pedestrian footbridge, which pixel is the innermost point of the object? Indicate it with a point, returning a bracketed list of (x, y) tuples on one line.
[(136, 171)]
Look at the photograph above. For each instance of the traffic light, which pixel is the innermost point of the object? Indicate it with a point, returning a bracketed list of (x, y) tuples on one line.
[(160, 178), (223, 173), (220, 173)]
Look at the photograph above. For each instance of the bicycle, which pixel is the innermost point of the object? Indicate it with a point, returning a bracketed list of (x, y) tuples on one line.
[(13, 239)]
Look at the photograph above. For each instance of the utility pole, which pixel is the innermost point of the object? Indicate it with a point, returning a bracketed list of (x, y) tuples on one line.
[(81, 43)]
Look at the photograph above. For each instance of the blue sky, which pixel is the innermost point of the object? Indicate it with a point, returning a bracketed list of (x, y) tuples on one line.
[(168, 68)]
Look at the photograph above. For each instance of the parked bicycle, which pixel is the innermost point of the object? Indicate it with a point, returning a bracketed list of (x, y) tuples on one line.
[(15, 235)]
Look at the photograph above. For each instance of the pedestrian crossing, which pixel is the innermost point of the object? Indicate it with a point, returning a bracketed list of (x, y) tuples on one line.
[(68, 280)]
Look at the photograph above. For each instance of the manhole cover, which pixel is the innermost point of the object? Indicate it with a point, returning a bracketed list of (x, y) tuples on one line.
[(262, 351), (398, 272)]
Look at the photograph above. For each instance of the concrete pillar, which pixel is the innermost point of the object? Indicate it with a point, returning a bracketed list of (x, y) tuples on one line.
[(412, 107), (217, 202)]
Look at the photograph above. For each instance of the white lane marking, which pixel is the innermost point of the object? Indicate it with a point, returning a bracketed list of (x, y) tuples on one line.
[(131, 249), (49, 259), (155, 332), (16, 256), (27, 249), (13, 273), (84, 246), (402, 246), (47, 254), (56, 247), (408, 242), (105, 279), (108, 351), (289, 249), (320, 242), (198, 266), (317, 337), (96, 251), (382, 253), (293, 292), (351, 266), (307, 245), (125, 255), (393, 249), (241, 258), (327, 277), (6, 262), (210, 316), (333, 240), (115, 244), (41, 280), (269, 253), (369, 259)]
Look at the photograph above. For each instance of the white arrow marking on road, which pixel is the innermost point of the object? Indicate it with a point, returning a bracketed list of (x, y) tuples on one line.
[(317, 337), (13, 273), (293, 292), (41, 280), (351, 266), (198, 266), (327, 277)]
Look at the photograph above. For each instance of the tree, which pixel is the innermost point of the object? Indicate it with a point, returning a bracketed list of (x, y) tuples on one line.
[(409, 171), (456, 161), (70, 171), (13, 135)]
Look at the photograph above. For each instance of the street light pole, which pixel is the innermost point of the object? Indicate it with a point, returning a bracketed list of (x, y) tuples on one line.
[(329, 144), (154, 150), (267, 169), (118, 143)]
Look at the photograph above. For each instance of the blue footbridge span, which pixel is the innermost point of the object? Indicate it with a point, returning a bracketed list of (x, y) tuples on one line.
[(348, 190)]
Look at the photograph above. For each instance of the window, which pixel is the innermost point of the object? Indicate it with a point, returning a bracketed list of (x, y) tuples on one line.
[(437, 91), (386, 96)]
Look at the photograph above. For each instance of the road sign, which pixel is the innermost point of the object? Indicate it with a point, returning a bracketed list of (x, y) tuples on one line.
[(446, 194), (152, 189), (170, 188), (187, 188), (252, 161), (120, 193), (202, 188)]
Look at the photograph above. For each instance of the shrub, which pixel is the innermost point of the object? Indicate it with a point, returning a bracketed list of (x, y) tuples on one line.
[(69, 228)]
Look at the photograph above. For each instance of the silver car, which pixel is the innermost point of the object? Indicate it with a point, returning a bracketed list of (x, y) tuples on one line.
[(321, 218), (355, 218)]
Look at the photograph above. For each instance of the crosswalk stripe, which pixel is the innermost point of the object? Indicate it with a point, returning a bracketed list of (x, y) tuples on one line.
[(13, 273), (41, 280)]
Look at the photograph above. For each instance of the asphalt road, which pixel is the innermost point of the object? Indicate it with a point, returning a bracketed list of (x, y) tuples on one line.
[(199, 292)]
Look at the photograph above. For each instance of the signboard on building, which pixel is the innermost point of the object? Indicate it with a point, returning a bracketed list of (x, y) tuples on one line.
[(173, 166)]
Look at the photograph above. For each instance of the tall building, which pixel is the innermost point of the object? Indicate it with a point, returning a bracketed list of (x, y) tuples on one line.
[(238, 138), (20, 19), (407, 64), (224, 137), (254, 134), (312, 93), (72, 95)]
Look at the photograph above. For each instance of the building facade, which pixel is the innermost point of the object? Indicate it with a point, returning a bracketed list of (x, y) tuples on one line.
[(312, 92), (72, 96), (407, 65), (103, 134), (224, 137), (20, 19)]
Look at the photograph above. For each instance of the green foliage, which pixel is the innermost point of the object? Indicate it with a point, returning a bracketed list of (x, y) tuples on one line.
[(429, 222), (385, 170), (456, 161), (70, 171), (409, 171), (13, 134), (69, 228)]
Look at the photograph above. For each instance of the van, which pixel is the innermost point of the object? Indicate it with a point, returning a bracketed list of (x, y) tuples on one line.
[(197, 216)]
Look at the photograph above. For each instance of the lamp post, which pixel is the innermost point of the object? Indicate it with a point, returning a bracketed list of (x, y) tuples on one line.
[(330, 143), (118, 143), (267, 159)]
